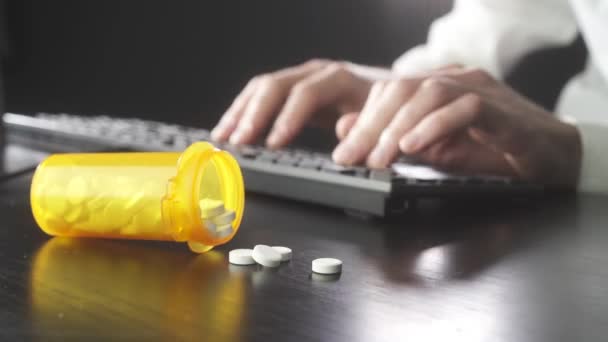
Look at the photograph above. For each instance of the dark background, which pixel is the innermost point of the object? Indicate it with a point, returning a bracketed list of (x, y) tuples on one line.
[(184, 61)]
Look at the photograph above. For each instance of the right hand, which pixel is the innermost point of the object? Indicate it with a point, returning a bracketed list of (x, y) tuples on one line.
[(292, 97)]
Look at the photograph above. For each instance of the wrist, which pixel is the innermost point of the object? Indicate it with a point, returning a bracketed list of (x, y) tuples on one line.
[(568, 152)]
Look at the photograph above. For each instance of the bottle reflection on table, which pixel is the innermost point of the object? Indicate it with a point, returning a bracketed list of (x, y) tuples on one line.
[(115, 290)]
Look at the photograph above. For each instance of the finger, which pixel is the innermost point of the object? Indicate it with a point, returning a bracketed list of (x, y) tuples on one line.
[(451, 66), (230, 119), (376, 114), (448, 120), (328, 85), (345, 124), (471, 77), (266, 99), (431, 95), (447, 69)]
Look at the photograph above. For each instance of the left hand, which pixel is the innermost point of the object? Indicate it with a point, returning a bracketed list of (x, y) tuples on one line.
[(462, 121)]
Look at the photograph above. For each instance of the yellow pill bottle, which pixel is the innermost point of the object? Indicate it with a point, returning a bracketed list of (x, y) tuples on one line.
[(148, 196)]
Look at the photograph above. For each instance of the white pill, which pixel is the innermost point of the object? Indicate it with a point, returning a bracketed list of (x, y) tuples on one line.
[(226, 217), (227, 226), (210, 207), (223, 231), (241, 257), (266, 256), (284, 251), (212, 227), (327, 266)]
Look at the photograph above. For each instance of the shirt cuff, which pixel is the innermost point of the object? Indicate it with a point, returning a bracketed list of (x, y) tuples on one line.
[(594, 167)]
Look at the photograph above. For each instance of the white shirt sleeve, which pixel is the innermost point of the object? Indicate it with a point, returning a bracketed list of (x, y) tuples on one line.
[(585, 98), (594, 167), (491, 34)]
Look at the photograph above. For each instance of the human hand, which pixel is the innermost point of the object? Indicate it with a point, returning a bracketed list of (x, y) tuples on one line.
[(464, 121), (291, 97)]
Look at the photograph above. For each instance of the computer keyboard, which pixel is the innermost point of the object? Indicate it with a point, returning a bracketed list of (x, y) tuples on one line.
[(294, 174)]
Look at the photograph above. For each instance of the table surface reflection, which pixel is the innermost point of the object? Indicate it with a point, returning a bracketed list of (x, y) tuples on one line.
[(531, 271)]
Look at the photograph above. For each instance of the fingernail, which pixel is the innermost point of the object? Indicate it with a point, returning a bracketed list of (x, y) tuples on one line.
[(216, 133), (410, 142), (236, 137), (377, 159), (274, 139), (343, 154)]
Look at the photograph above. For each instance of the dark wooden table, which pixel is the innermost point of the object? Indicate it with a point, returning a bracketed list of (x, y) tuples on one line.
[(465, 271)]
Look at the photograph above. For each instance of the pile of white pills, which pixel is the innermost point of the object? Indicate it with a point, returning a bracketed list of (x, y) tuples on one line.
[(273, 256), (216, 218), (101, 205)]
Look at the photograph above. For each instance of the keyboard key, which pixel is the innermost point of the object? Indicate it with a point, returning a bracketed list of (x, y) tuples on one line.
[(335, 168), (268, 156), (384, 175), (198, 134), (286, 159), (170, 129), (180, 142), (323, 156), (249, 152), (361, 171), (232, 149), (303, 153), (309, 163)]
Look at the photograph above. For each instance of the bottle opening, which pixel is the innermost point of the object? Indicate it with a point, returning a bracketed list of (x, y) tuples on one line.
[(218, 196)]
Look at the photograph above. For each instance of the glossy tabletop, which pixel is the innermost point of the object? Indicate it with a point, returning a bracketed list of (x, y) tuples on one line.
[(525, 271)]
